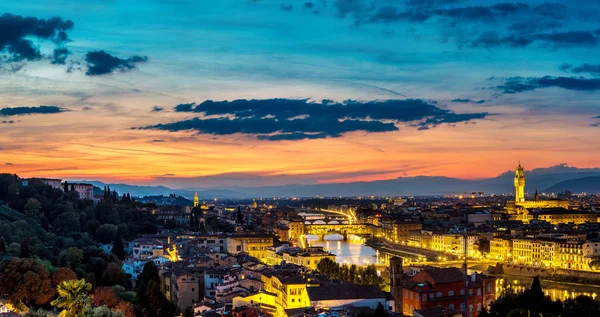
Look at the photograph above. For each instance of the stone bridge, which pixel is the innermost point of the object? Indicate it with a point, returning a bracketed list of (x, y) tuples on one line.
[(322, 230)]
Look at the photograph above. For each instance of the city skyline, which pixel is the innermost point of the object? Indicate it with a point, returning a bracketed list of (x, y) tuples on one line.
[(304, 91)]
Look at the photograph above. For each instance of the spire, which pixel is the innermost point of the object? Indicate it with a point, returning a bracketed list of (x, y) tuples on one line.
[(536, 197), (196, 200)]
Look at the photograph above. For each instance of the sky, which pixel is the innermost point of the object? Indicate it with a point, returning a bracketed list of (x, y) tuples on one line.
[(191, 93)]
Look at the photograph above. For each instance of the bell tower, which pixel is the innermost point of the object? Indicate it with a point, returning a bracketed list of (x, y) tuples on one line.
[(519, 184), (196, 200), (396, 283)]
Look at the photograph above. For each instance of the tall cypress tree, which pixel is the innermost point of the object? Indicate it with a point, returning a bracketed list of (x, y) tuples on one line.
[(2, 246), (25, 253), (118, 248), (66, 187)]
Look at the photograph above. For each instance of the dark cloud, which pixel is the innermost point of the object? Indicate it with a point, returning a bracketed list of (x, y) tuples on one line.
[(520, 84), (429, 3), (468, 101), (17, 34), (584, 68), (492, 38), (7, 121), (309, 5), (357, 8), (59, 56), (534, 26), (8, 163), (555, 39), (20, 111), (286, 7), (295, 119), (157, 109), (263, 128), (158, 141), (102, 63), (570, 38), (551, 10)]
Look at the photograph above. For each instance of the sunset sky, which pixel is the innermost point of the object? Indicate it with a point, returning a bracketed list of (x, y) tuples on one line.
[(189, 93)]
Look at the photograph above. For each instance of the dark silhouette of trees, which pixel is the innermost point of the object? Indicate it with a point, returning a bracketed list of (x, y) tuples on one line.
[(26, 281), (239, 216), (25, 252), (2, 246), (63, 274), (118, 249), (380, 311)]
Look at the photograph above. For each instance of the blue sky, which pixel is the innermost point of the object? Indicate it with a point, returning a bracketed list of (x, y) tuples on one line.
[(434, 51)]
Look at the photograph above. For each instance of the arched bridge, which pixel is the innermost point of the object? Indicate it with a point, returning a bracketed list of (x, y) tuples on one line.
[(321, 230)]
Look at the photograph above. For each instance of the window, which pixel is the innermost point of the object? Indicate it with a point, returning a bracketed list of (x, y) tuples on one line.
[(451, 293), (430, 295), (479, 291), (439, 294), (451, 306), (424, 297)]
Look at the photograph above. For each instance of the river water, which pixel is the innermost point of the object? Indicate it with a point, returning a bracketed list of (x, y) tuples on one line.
[(354, 251)]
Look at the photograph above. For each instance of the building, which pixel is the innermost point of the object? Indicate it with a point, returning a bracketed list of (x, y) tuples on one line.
[(397, 229), (561, 215), (185, 287), (296, 229), (244, 311), (307, 257), (521, 204), (53, 182), (144, 248), (254, 245), (85, 191), (396, 275), (196, 200), (500, 248), (445, 287)]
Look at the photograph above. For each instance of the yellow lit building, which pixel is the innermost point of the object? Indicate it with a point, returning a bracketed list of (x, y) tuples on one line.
[(560, 215), (306, 257), (254, 245), (520, 204), (500, 249), (196, 200), (296, 229), (553, 254)]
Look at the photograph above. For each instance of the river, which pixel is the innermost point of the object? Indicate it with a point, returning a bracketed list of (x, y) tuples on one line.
[(354, 251)]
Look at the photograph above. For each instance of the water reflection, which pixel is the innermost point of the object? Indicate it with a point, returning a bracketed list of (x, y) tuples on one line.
[(556, 290), (353, 251)]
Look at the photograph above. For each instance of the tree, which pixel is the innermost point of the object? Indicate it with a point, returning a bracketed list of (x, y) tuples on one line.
[(149, 274), (73, 298), (380, 311), (118, 250), (26, 281), (157, 305), (2, 246), (114, 275), (25, 252), (202, 226), (105, 296), (126, 308), (106, 233), (239, 216), (63, 274), (72, 187), (104, 311), (33, 208), (36, 313), (483, 245), (65, 187), (71, 257)]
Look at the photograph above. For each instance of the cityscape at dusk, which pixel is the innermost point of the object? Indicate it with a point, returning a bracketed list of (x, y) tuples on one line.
[(299, 158)]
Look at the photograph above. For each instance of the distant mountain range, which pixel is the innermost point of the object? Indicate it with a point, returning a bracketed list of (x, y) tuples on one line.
[(552, 179)]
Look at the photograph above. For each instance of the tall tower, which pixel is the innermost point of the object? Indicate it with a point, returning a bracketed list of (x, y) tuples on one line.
[(196, 200), (396, 283), (519, 184)]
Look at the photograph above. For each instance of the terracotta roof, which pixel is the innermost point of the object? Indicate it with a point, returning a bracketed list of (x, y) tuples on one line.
[(444, 275)]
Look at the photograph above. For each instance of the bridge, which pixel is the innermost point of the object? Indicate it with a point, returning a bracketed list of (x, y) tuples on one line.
[(322, 230)]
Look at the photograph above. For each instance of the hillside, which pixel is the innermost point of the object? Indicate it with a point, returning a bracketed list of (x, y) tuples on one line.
[(579, 185)]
